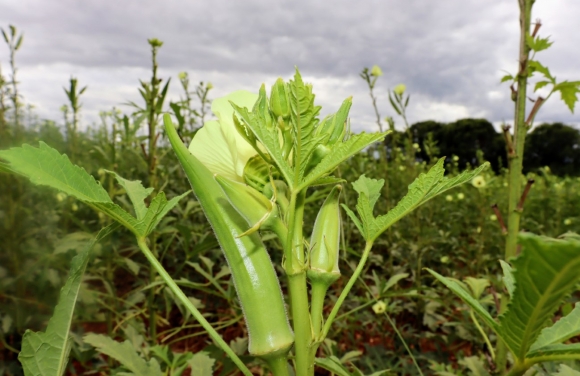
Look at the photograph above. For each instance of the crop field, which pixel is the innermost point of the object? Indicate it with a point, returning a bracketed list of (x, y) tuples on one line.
[(249, 235)]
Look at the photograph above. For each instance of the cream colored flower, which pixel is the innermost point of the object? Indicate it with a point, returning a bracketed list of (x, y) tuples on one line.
[(218, 145), (379, 307), (493, 217), (449, 198), (376, 71), (478, 181), (567, 221), (460, 196)]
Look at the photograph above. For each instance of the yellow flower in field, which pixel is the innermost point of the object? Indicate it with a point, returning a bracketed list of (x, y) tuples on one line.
[(400, 89), (182, 75), (455, 158), (478, 181), (478, 229), (376, 71), (74, 207), (379, 307), (218, 145), (493, 217), (444, 259), (449, 198), (460, 196), (60, 196), (567, 221), (401, 168)]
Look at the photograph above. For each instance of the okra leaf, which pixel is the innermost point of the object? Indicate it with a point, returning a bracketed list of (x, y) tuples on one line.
[(124, 353), (467, 299), (545, 273), (136, 192), (475, 365), (46, 166), (568, 91), (267, 135), (354, 218), (554, 352), (303, 116), (424, 188), (564, 329), (508, 278), (341, 152), (46, 353)]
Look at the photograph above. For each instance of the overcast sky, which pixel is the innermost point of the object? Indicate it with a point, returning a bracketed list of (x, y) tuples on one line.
[(450, 53)]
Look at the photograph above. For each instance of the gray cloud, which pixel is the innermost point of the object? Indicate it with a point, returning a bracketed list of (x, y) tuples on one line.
[(449, 53)]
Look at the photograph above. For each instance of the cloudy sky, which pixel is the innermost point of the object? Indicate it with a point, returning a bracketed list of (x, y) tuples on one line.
[(450, 53)]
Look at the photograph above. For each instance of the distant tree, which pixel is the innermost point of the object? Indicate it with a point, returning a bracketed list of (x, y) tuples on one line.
[(421, 131), (554, 145)]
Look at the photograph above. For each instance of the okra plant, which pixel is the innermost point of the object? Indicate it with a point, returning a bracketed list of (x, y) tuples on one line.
[(252, 171)]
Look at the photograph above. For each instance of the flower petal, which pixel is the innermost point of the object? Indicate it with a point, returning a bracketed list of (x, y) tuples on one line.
[(218, 145)]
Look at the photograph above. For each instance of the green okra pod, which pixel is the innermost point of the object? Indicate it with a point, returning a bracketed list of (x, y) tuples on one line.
[(255, 279)]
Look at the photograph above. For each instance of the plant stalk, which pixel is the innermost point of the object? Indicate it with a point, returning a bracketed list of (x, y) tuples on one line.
[(516, 159), (141, 241)]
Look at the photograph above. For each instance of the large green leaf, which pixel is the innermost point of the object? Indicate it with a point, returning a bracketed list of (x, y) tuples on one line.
[(341, 152), (545, 274), (553, 353), (567, 371), (467, 299), (424, 188), (47, 353), (564, 329), (508, 277), (46, 166), (124, 353)]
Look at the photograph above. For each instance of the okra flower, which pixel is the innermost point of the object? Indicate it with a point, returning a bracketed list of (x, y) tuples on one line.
[(218, 145)]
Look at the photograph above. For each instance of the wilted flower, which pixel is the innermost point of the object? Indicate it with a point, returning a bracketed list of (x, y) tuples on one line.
[(376, 71), (400, 89), (218, 145), (379, 307), (478, 181), (449, 198), (460, 196)]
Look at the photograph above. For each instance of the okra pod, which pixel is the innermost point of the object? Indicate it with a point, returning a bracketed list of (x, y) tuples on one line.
[(255, 279)]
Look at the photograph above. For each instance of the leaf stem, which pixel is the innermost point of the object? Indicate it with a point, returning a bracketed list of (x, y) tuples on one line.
[(141, 242), (347, 288)]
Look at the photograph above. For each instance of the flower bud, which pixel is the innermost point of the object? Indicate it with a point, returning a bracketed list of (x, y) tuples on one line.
[(325, 238), (400, 89), (279, 100), (278, 190)]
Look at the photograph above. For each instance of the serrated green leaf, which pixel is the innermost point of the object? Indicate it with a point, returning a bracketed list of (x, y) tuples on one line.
[(47, 353), (540, 85), (508, 278), (46, 166), (507, 77), (467, 299), (340, 153), (536, 66), (268, 136), (568, 91), (326, 180), (124, 353), (545, 273), (371, 188), (304, 119), (567, 371), (136, 192), (424, 188), (538, 44), (333, 365), (564, 329), (201, 364)]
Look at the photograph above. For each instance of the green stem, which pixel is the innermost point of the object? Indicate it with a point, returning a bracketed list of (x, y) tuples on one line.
[(480, 329), (516, 157), (189, 305), (278, 365), (301, 323), (317, 296), (347, 288)]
